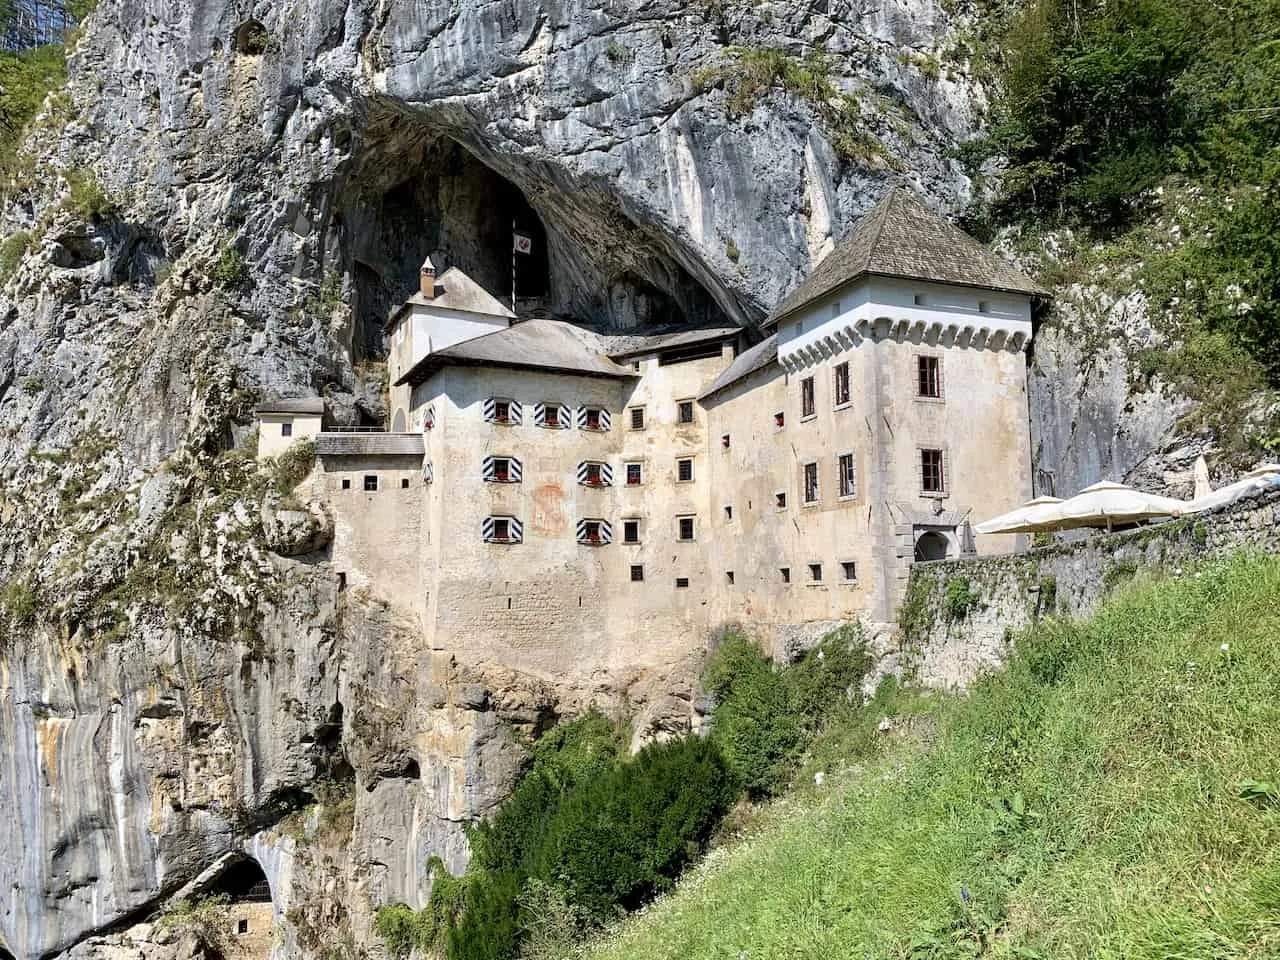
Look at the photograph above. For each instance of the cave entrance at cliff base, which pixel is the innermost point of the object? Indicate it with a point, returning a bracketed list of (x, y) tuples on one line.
[(250, 914)]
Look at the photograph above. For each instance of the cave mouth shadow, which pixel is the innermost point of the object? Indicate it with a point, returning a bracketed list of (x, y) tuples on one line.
[(243, 881), (414, 192)]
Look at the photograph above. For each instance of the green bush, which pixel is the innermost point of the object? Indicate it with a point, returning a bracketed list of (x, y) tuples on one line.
[(12, 249), (960, 599), (231, 269), (87, 198), (292, 466), (766, 716)]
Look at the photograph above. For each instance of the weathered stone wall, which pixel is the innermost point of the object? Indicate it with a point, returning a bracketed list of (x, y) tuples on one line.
[(959, 615)]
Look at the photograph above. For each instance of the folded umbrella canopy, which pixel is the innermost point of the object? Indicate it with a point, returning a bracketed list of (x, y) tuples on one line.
[(1255, 481), (1033, 516), (1108, 503)]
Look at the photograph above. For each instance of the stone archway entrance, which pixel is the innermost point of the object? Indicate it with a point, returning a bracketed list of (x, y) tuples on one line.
[(250, 914), (932, 545)]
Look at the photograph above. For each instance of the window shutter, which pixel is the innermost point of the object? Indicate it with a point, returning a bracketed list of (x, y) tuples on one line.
[(581, 530), (517, 530), (514, 527), (606, 422), (486, 469), (539, 414), (515, 413), (489, 410), (606, 532), (429, 419), (582, 471), (606, 474), (514, 470), (428, 472), (486, 529), (580, 418)]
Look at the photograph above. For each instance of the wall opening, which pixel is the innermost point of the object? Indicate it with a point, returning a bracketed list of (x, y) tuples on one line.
[(242, 882), (932, 545), (251, 39)]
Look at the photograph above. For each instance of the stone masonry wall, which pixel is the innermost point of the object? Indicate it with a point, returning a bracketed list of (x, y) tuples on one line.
[(959, 615)]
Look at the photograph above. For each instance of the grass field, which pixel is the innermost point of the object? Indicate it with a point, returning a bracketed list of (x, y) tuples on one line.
[(1115, 793)]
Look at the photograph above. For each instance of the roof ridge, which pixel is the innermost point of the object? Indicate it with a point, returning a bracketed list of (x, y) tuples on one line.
[(881, 210)]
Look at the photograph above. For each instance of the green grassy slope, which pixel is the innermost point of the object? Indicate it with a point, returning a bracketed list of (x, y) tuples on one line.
[(1112, 794)]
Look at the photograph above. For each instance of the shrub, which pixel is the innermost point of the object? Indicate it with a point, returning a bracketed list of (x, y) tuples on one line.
[(12, 249), (206, 919), (765, 716), (292, 466), (87, 198), (960, 599), (230, 270)]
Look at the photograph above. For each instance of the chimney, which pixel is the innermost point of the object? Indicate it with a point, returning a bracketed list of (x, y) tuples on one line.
[(427, 279)]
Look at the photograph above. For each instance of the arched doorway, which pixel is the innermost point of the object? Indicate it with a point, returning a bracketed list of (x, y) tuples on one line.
[(932, 545), (398, 425)]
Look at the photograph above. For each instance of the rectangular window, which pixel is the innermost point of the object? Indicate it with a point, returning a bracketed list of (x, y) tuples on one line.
[(501, 411), (848, 571), (404, 483), (929, 375), (931, 478), (286, 429), (728, 513), (779, 420), (630, 531), (637, 418), (593, 475), (841, 385), (810, 483), (728, 575), (685, 530), (780, 500), (682, 582), (637, 573), (684, 470), (554, 416), (501, 469), (786, 574), (635, 474), (591, 419), (501, 529), (848, 472), (724, 441), (984, 306), (815, 573), (807, 405), (591, 531), (684, 411), (346, 483), (371, 481)]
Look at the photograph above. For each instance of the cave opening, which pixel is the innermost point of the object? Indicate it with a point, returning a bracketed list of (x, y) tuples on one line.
[(242, 882), (565, 252)]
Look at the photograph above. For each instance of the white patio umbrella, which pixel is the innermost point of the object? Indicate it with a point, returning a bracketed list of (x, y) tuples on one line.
[(1031, 517), (1262, 478), (1107, 503)]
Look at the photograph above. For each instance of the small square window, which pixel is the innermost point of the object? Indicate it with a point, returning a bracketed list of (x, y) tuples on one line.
[(591, 531), (807, 405), (929, 376), (682, 582), (501, 469), (684, 470), (684, 411), (242, 925), (724, 441), (553, 415), (841, 385), (931, 475), (501, 411), (779, 420), (593, 475), (501, 529), (630, 531), (286, 429), (848, 571), (780, 500), (404, 483), (635, 474), (984, 306), (637, 572), (592, 418), (810, 483), (918, 299), (685, 528), (786, 574), (815, 572), (637, 418), (346, 483), (371, 481), (728, 513), (728, 575)]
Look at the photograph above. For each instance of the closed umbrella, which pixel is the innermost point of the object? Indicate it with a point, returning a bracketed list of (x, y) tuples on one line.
[(1032, 517), (1107, 503), (1255, 481)]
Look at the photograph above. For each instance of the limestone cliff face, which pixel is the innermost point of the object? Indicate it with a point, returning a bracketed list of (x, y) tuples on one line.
[(173, 688), (175, 684)]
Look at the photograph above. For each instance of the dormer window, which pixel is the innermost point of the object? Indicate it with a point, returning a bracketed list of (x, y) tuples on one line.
[(502, 411), (593, 473)]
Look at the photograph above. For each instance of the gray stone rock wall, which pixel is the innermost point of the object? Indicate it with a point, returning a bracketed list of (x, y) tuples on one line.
[(944, 648)]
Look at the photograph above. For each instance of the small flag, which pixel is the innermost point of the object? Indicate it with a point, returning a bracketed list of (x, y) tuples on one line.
[(523, 244)]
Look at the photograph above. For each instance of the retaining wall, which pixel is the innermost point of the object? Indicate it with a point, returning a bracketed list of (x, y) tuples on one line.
[(959, 616)]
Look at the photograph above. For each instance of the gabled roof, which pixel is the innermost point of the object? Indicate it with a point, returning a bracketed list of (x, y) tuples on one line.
[(455, 291), (313, 406), (371, 444), (901, 237), (625, 347), (744, 364), (550, 345)]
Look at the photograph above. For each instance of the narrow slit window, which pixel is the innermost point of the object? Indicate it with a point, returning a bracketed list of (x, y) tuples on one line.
[(728, 513), (848, 471), (807, 405), (346, 483), (728, 575), (841, 385), (724, 441), (931, 475), (404, 483), (780, 500), (785, 573), (929, 375)]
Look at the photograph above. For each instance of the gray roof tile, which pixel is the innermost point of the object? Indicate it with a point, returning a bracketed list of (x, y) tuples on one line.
[(745, 364), (369, 444)]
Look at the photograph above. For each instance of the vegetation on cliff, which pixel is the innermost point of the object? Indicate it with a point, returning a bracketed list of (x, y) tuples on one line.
[(1113, 793), (590, 833)]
